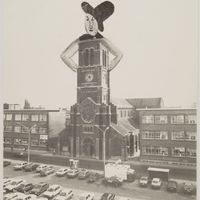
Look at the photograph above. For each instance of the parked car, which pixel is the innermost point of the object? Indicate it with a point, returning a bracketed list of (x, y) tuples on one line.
[(93, 177), (172, 186), (66, 194), (47, 171), (144, 180), (39, 188), (41, 167), (7, 181), (72, 173), (13, 184), (83, 174), (41, 198), (86, 196), (24, 187), (10, 196), (131, 175), (108, 196), (113, 181), (156, 183), (52, 191), (20, 166), (6, 163), (188, 188), (62, 172), (30, 167), (27, 197)]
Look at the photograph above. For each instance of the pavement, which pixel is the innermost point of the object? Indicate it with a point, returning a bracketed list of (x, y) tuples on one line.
[(130, 190)]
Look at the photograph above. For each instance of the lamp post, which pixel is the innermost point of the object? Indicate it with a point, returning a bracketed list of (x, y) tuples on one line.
[(104, 145), (29, 137)]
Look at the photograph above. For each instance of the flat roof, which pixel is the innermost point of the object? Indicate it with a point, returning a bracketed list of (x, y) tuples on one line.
[(157, 169), (30, 110), (166, 108)]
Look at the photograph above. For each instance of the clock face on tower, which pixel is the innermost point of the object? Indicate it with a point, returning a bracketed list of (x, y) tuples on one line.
[(89, 77)]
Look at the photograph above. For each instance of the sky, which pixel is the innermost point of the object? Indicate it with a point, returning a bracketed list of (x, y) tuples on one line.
[(158, 39)]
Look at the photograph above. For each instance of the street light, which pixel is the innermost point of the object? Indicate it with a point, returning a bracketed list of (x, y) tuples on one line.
[(29, 137), (104, 145)]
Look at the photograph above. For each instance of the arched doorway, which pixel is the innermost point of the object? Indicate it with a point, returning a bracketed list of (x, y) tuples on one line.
[(88, 149)]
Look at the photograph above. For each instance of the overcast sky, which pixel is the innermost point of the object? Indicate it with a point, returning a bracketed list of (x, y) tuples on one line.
[(158, 39)]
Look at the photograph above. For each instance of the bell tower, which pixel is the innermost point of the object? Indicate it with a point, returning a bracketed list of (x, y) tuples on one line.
[(93, 112), (92, 73)]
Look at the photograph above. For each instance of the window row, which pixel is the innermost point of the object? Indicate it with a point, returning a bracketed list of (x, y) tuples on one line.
[(22, 129), (26, 117), (158, 135), (175, 151), (33, 142), (163, 135), (174, 119)]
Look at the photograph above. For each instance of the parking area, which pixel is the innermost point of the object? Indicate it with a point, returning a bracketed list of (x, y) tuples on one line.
[(131, 190)]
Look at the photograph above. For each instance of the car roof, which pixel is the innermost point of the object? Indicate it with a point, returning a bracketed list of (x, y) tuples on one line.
[(54, 186), (156, 179), (85, 194), (66, 190)]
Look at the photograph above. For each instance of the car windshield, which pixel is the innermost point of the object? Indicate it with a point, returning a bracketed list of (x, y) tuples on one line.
[(143, 178), (38, 186), (155, 181), (63, 194), (51, 189), (13, 183)]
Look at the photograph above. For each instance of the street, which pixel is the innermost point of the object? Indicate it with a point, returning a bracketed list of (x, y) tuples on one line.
[(131, 190)]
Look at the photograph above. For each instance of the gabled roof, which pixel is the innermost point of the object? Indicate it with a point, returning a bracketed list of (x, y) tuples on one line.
[(146, 102), (121, 103), (123, 127)]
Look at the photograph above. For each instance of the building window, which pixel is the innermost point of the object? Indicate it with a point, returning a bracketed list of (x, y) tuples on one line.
[(43, 118), (8, 129), (25, 117), (147, 119), (154, 150), (43, 143), (34, 118), (178, 151), (191, 152), (8, 117), (42, 130), (17, 129), (24, 141), (161, 119), (21, 141), (190, 119), (34, 130), (180, 135), (25, 129), (7, 141), (34, 142), (177, 119), (190, 136), (121, 113), (4, 117), (159, 135), (18, 117)]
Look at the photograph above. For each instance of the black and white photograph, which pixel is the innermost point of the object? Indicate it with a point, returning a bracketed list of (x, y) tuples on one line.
[(100, 100)]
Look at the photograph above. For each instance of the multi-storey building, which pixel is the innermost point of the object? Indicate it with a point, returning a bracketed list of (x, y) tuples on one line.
[(168, 134), (18, 123)]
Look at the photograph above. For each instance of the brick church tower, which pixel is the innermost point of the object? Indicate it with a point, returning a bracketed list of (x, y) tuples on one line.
[(93, 112)]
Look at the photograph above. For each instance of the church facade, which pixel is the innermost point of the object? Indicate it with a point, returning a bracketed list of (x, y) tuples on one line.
[(93, 119)]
